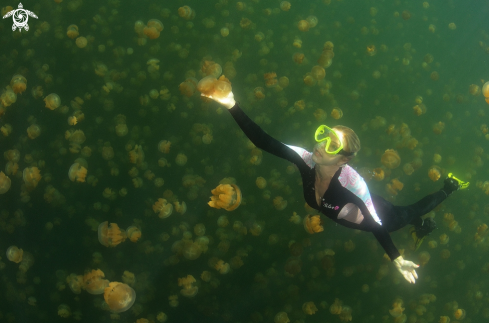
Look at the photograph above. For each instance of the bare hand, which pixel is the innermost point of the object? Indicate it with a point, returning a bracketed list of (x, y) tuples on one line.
[(406, 268)]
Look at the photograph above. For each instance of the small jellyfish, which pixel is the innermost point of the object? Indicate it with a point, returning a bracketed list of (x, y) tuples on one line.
[(337, 113), (14, 254), (281, 317), (120, 297), (18, 84), (75, 282), (285, 5), (81, 42), (459, 314), (225, 196), (390, 159), (313, 224), (279, 203), (186, 13), (189, 290), (33, 131), (52, 101), (181, 159), (163, 208), (77, 172), (94, 283), (261, 182), (303, 25), (110, 235), (31, 176), (164, 146), (5, 182), (133, 233), (72, 31), (434, 173), (64, 311), (128, 277), (309, 308)]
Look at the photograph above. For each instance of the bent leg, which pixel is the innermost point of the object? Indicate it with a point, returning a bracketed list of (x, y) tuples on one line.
[(396, 217), (411, 214)]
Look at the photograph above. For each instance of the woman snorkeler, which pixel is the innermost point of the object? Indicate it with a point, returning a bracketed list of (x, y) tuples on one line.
[(339, 192)]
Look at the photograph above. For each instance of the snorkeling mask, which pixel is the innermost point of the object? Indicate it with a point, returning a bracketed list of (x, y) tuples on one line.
[(325, 133)]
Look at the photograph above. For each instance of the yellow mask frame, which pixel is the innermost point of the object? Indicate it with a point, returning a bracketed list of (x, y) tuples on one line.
[(324, 133)]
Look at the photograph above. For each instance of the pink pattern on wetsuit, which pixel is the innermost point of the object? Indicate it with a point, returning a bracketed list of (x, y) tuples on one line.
[(348, 178), (353, 182)]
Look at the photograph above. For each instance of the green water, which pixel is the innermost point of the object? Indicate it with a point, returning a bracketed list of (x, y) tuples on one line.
[(57, 233)]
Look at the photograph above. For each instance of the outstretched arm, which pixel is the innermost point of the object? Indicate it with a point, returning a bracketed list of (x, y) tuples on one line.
[(257, 135)]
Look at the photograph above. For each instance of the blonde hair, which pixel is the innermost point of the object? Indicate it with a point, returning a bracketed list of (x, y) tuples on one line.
[(351, 142)]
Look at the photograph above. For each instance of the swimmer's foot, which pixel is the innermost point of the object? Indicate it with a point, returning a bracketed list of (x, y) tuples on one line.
[(418, 232), (453, 184)]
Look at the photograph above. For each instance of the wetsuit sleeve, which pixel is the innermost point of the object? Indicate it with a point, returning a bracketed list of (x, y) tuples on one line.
[(385, 240), (263, 140)]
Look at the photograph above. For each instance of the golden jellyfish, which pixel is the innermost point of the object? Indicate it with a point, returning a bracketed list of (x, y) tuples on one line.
[(225, 196), (279, 203), (396, 184), (81, 42), (52, 101), (133, 233), (189, 290), (75, 282), (390, 159), (153, 28), (303, 25), (281, 317), (397, 309), (110, 235), (424, 257), (444, 319), (77, 172), (434, 173), (164, 146), (18, 83), (181, 159), (186, 13), (285, 6), (261, 182), (298, 58), (259, 93), (64, 311), (438, 127), (128, 277), (222, 267), (163, 208), (309, 308), (192, 250), (459, 314), (336, 307), (31, 176), (4, 183), (444, 239), (72, 31), (33, 131), (337, 113), (224, 31), (378, 174), (120, 297), (485, 90), (94, 283), (14, 254), (313, 224), (318, 72)]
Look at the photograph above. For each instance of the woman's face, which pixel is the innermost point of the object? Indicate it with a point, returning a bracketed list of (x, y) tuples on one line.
[(320, 157)]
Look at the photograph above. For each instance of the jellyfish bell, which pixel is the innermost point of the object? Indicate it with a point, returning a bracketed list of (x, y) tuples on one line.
[(52, 101), (18, 84), (313, 224), (391, 159), (94, 283), (5, 182), (110, 235), (226, 196), (206, 85), (14, 254), (119, 297), (77, 172)]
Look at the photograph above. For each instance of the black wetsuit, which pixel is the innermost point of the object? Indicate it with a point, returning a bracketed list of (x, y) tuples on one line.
[(377, 215)]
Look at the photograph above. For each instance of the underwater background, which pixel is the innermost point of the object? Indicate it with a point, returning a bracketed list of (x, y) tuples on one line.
[(101, 120)]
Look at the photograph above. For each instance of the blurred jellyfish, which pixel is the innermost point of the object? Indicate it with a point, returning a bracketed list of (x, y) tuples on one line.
[(225, 196), (119, 297)]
